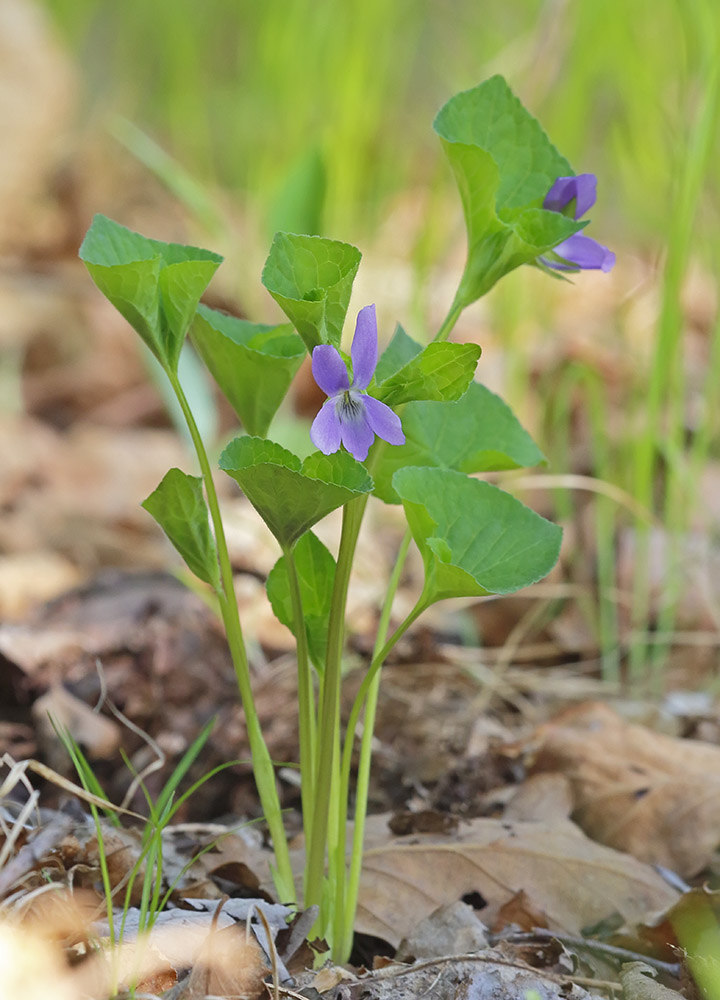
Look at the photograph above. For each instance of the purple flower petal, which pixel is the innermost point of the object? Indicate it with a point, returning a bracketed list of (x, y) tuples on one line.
[(364, 350), (585, 193), (583, 252), (357, 435), (581, 188), (329, 371), (560, 194), (325, 432), (383, 421)]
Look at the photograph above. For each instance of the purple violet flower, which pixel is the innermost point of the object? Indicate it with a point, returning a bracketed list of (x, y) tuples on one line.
[(574, 196), (349, 416)]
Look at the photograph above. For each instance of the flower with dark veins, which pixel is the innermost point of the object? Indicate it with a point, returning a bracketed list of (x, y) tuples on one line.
[(349, 416), (573, 196)]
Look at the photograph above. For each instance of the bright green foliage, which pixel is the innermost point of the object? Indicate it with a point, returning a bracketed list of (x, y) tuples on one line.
[(252, 363), (291, 495), (439, 372), (316, 574), (478, 433), (311, 279), (179, 507), (398, 352), (504, 165), (474, 538), (156, 286)]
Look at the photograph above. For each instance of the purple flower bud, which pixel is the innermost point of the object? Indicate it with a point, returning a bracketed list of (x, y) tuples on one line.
[(349, 416), (574, 196)]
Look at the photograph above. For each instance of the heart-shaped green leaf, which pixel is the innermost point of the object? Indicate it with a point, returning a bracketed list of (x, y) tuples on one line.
[(475, 539), (311, 279), (439, 372), (478, 433), (179, 507), (504, 165), (156, 286), (291, 495), (396, 355), (253, 364), (316, 573)]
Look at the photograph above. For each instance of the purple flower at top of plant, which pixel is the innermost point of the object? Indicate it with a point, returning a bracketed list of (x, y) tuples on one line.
[(349, 416), (573, 196)]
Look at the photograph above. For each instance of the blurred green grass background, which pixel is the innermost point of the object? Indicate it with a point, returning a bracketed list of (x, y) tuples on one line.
[(316, 116), (253, 95)]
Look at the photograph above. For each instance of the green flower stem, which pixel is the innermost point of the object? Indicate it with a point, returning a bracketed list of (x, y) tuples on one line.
[(449, 322), (306, 700), (330, 721), (262, 764), (345, 915), (346, 904), (328, 740), (329, 728)]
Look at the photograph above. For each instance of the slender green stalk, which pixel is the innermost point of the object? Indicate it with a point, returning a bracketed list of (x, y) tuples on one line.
[(346, 913), (449, 322), (262, 764), (605, 523), (306, 700), (330, 703), (332, 781)]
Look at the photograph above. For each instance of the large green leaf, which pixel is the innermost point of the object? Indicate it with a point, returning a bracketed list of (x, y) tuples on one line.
[(253, 364), (316, 573), (439, 372), (179, 507), (478, 433), (156, 286), (396, 355), (475, 539), (311, 279), (504, 165), (291, 495)]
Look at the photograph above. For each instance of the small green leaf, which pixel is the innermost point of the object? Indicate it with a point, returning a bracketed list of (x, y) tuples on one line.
[(179, 507), (253, 364), (316, 573), (156, 286), (291, 495), (398, 352), (504, 165), (311, 279), (475, 539), (439, 372), (478, 433)]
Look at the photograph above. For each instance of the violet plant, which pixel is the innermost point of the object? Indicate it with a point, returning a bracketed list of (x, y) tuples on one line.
[(409, 427)]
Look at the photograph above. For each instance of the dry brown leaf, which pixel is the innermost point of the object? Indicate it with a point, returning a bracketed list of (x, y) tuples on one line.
[(544, 798), (236, 856), (330, 977), (651, 795), (30, 577), (574, 881), (98, 735), (453, 929), (639, 983), (519, 913), (230, 964)]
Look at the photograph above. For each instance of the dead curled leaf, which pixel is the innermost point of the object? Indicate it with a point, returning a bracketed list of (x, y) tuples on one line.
[(639, 983), (651, 795), (572, 880)]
